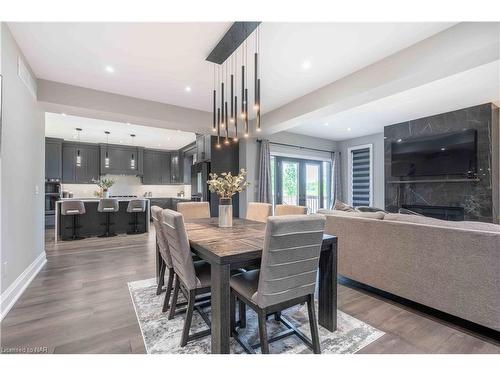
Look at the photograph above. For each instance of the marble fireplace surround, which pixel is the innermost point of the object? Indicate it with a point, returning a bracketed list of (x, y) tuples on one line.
[(479, 199)]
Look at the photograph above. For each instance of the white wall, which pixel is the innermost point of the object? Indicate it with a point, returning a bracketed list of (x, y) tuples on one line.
[(128, 185), (23, 170), (377, 140)]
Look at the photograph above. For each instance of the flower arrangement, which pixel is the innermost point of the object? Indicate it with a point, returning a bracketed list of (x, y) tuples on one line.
[(103, 184), (226, 185)]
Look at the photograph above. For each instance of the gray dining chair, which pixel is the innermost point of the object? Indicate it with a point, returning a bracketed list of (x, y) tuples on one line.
[(289, 209), (257, 211), (191, 278), (287, 277), (166, 265), (108, 206), (73, 209), (135, 207), (194, 210)]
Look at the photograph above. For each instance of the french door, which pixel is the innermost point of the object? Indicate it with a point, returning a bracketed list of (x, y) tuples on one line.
[(299, 182)]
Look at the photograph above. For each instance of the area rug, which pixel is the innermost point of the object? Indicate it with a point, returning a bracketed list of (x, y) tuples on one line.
[(163, 336)]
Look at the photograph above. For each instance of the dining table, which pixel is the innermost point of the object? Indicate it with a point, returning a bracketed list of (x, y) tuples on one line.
[(241, 246)]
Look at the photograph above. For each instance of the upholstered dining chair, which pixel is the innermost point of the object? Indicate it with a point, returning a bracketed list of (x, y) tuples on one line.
[(191, 278), (194, 210), (259, 211), (289, 209), (161, 241), (287, 277)]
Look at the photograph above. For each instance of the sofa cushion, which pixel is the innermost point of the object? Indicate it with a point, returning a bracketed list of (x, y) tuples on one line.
[(366, 215), (473, 225), (341, 206)]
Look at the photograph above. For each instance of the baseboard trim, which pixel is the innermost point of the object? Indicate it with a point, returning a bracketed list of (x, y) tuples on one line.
[(17, 288)]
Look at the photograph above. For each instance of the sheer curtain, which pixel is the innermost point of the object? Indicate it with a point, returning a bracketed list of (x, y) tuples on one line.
[(336, 186), (264, 186)]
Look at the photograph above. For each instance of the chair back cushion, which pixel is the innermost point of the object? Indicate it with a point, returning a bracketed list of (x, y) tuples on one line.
[(289, 209), (259, 211), (194, 210), (136, 205), (108, 205), (72, 208), (290, 258), (161, 239), (180, 251)]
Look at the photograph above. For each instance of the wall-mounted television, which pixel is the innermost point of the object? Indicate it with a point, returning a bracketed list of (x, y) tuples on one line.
[(437, 155)]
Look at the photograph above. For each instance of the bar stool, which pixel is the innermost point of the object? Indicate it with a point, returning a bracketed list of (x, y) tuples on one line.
[(135, 206), (108, 206), (74, 209)]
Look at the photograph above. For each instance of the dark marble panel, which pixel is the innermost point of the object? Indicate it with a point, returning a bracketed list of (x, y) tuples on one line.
[(475, 197)]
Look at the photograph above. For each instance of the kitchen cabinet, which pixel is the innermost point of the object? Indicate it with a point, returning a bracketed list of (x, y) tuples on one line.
[(176, 168), (203, 147), (120, 160), (88, 171), (156, 167), (53, 159), (187, 155)]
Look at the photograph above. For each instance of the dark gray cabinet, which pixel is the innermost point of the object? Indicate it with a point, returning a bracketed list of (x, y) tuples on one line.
[(87, 171), (203, 147), (120, 160), (156, 167), (53, 158), (176, 168)]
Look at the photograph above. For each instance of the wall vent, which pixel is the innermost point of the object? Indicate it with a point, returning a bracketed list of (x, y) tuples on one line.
[(26, 77)]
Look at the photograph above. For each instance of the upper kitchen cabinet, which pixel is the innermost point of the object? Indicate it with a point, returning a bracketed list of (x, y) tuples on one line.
[(157, 167), (84, 172), (124, 160), (53, 159), (176, 168)]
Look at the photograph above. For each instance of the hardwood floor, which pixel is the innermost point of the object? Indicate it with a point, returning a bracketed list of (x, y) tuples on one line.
[(79, 303)]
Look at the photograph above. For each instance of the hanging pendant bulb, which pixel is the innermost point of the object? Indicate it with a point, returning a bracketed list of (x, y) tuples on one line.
[(78, 156), (218, 127), (132, 160), (106, 156)]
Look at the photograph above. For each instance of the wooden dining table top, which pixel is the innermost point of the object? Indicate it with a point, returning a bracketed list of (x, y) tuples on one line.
[(244, 241)]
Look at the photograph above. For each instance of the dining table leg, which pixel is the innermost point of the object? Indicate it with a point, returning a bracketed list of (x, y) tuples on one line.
[(220, 329), (327, 312)]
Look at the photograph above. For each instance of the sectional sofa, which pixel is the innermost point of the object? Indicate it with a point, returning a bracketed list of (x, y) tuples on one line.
[(453, 267)]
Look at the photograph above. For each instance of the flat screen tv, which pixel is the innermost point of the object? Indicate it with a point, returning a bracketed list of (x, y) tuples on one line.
[(437, 155)]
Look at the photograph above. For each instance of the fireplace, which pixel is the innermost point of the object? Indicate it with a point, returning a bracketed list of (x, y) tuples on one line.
[(438, 212)]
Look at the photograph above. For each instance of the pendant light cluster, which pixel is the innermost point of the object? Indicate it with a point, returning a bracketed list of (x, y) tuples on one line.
[(225, 92), (78, 155)]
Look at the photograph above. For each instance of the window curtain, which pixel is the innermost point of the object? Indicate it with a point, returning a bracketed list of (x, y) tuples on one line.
[(335, 183), (264, 185)]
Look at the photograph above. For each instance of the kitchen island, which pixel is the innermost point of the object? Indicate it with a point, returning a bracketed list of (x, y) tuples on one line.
[(91, 223)]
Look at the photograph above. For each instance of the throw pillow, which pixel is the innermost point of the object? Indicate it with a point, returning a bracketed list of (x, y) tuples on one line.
[(341, 206)]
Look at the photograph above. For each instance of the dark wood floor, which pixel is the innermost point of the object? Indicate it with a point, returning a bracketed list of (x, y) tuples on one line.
[(79, 303)]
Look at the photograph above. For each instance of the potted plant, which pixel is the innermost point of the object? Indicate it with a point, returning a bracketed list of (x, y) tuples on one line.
[(225, 186), (104, 184)]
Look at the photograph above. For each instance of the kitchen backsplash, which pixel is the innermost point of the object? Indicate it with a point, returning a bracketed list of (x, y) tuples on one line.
[(128, 185)]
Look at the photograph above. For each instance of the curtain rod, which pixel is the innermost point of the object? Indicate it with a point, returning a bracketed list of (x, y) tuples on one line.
[(299, 147)]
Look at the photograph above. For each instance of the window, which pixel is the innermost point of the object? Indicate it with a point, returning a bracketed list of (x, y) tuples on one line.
[(360, 176), (300, 182)]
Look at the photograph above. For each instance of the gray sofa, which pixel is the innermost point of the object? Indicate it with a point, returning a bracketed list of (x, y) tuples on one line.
[(453, 267)]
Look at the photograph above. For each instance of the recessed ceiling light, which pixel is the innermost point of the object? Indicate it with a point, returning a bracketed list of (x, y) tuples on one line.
[(349, 129), (306, 65), (168, 139), (110, 69), (64, 114), (188, 89), (326, 124)]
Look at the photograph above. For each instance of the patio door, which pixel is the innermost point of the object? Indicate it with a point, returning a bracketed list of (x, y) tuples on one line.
[(299, 182)]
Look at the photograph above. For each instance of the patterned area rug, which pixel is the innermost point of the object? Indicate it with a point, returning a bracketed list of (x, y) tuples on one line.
[(163, 336)]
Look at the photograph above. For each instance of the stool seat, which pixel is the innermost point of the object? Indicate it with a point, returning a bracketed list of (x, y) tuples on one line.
[(73, 208), (108, 206)]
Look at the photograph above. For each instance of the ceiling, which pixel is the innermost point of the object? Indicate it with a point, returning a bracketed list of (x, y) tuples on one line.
[(61, 126), (469, 88), (157, 61)]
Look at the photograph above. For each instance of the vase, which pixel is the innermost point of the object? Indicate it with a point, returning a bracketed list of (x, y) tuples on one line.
[(105, 194), (225, 212)]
